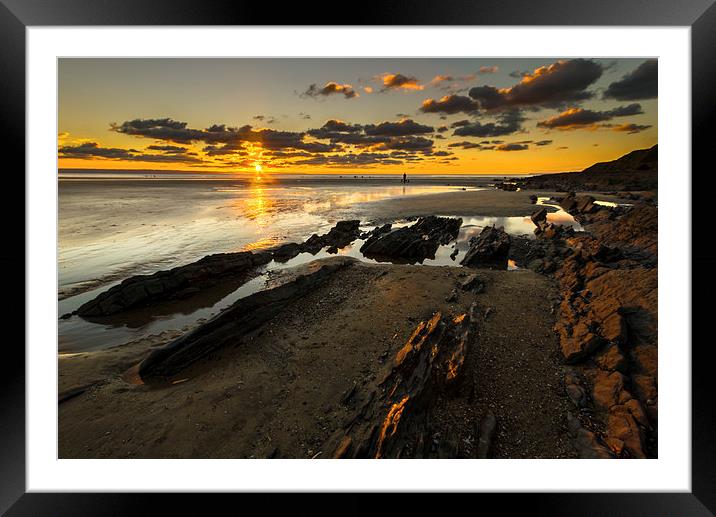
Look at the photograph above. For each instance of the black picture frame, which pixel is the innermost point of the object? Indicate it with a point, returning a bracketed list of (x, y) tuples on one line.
[(700, 15)]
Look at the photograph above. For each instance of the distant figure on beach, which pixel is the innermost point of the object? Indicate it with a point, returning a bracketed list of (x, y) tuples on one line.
[(405, 178)]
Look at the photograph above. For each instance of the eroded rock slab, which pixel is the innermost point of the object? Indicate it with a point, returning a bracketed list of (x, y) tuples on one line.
[(489, 248), (393, 423), (412, 243), (240, 318), (179, 282)]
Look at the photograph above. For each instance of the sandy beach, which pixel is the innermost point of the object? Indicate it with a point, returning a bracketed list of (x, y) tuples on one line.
[(312, 380)]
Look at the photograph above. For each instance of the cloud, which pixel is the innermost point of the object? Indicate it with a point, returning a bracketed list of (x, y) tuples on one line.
[(264, 118), (449, 104), (642, 83), (512, 147), (548, 86), (169, 149), (578, 118), (543, 142), (508, 123), (331, 88), (368, 89), (466, 145), (488, 69), (630, 128), (90, 150), (178, 132), (402, 128), (399, 82), (410, 143)]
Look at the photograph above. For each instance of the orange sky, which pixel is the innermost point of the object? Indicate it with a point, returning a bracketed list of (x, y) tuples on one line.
[(353, 116)]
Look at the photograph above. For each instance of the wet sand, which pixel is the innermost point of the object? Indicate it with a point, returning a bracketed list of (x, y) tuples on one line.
[(277, 392)]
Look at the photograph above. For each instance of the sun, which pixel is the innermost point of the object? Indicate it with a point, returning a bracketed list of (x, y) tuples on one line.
[(258, 168)]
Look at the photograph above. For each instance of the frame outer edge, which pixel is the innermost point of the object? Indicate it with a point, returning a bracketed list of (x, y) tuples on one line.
[(12, 259)]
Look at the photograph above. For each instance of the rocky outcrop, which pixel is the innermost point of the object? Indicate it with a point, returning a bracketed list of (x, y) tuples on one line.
[(607, 322), (507, 186), (489, 248), (412, 243), (179, 282), (394, 420), (234, 322), (340, 236)]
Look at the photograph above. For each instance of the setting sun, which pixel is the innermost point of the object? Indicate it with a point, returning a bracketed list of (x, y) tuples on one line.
[(258, 168)]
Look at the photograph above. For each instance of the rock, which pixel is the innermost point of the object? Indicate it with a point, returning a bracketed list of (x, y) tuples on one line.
[(473, 283), (507, 186), (228, 326), (452, 296), (611, 359), (145, 290), (394, 422), (490, 247), (533, 199), (413, 243), (608, 389), (574, 390), (622, 425), (285, 252), (539, 216), (577, 349), (585, 442), (614, 329)]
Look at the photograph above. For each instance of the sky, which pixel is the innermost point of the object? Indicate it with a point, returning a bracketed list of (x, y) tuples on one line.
[(354, 115)]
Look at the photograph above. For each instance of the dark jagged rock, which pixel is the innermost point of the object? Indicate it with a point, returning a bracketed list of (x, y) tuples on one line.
[(144, 290), (490, 247), (533, 199), (412, 243), (507, 186), (394, 421), (373, 235), (340, 236), (240, 318), (539, 216), (473, 283)]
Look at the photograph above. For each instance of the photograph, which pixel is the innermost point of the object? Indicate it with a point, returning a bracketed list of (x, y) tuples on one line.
[(360, 257)]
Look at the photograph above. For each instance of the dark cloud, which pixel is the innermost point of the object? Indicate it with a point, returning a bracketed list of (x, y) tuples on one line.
[(410, 143), (442, 129), (89, 150), (170, 149), (543, 142), (173, 131), (403, 127), (512, 147), (578, 118), (642, 83), (508, 123), (466, 145), (330, 88), (551, 85), (630, 128), (304, 116), (449, 104)]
